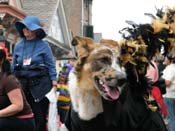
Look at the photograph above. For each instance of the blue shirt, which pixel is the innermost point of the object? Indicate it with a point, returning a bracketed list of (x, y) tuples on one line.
[(40, 53)]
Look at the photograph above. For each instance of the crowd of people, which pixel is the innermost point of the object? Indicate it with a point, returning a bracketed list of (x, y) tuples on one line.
[(27, 76), (30, 75)]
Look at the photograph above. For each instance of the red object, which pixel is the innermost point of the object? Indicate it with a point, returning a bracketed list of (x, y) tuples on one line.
[(4, 48), (159, 99)]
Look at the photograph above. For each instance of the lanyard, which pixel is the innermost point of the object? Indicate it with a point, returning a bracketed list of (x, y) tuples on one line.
[(28, 54)]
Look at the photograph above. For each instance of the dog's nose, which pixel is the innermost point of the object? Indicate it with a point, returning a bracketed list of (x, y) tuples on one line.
[(115, 82), (121, 78), (121, 81)]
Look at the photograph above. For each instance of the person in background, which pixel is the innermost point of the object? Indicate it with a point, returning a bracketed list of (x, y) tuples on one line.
[(160, 64), (169, 97), (10, 58), (153, 76), (159, 60), (15, 112), (64, 96), (33, 64)]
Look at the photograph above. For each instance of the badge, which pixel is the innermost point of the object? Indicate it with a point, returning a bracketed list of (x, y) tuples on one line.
[(27, 61)]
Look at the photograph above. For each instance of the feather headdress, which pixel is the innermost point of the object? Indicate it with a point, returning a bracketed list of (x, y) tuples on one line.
[(142, 42)]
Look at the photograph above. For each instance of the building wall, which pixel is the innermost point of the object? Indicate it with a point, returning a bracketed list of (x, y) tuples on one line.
[(97, 37), (87, 12), (37, 7), (73, 11), (77, 16)]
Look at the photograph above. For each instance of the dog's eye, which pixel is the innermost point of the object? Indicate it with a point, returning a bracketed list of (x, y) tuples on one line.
[(100, 63), (105, 60)]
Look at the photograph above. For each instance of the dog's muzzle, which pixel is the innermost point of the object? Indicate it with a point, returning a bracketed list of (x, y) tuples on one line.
[(111, 87)]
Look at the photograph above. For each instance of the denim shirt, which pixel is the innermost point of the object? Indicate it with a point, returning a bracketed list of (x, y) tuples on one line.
[(40, 53)]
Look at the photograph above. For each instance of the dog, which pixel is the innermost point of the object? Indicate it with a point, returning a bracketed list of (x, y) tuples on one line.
[(102, 97)]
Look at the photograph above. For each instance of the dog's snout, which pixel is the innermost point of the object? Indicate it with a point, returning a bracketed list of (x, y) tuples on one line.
[(117, 76), (121, 78), (121, 75), (109, 78), (117, 79)]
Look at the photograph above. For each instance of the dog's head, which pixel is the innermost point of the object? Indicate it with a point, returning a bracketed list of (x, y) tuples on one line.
[(98, 67)]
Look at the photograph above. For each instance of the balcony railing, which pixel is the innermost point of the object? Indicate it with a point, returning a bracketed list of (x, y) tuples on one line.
[(4, 1)]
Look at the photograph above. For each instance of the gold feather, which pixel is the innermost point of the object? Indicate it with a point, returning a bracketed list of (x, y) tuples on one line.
[(159, 24), (171, 49), (148, 99)]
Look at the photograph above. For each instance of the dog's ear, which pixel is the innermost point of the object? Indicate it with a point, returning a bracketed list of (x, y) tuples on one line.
[(109, 42), (83, 45), (115, 45)]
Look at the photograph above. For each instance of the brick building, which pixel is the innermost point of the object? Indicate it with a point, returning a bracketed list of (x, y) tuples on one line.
[(79, 16), (61, 19)]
